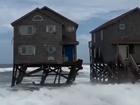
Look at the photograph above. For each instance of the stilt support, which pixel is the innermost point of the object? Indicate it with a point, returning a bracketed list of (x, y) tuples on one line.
[(49, 74)]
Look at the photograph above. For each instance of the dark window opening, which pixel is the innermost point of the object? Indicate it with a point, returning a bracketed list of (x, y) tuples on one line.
[(131, 49)]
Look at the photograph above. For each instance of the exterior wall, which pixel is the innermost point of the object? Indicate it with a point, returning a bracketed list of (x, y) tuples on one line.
[(112, 32), (123, 51), (70, 36), (41, 39), (136, 54)]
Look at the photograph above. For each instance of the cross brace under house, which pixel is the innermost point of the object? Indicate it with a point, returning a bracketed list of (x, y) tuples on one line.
[(55, 74), (115, 72)]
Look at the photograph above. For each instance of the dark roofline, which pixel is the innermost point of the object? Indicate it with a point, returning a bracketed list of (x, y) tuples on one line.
[(45, 7), (114, 20), (39, 10), (13, 23)]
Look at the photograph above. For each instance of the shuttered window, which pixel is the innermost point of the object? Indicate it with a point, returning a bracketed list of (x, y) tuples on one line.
[(51, 28), (27, 30), (27, 50)]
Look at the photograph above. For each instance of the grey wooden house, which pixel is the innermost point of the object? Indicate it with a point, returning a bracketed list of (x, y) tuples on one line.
[(44, 37), (117, 40)]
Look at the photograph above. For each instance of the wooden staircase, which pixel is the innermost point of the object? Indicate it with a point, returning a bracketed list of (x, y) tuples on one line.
[(119, 71), (133, 67)]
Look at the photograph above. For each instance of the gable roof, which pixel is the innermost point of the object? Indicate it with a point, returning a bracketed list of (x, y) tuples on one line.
[(46, 8), (23, 17), (115, 20), (40, 10)]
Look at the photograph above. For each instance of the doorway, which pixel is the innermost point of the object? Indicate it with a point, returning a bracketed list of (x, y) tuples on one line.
[(124, 51), (69, 53)]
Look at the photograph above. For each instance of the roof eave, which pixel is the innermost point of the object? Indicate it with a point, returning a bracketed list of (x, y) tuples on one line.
[(45, 7), (113, 21), (18, 20)]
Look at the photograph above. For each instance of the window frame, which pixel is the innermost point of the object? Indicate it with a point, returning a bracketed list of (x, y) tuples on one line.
[(122, 26), (28, 53), (51, 26), (41, 18), (25, 28)]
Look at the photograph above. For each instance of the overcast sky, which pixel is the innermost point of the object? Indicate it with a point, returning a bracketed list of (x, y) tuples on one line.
[(87, 13)]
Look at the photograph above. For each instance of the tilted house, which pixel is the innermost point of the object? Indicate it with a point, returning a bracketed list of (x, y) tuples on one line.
[(44, 37), (119, 35)]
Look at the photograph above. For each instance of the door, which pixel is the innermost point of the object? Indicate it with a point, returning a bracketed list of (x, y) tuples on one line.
[(69, 53), (124, 51)]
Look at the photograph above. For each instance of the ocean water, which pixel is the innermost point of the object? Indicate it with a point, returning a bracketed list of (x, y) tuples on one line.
[(82, 92)]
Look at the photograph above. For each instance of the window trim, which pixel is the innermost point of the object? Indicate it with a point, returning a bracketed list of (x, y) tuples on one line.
[(122, 26), (41, 18), (54, 28), (26, 28), (26, 46)]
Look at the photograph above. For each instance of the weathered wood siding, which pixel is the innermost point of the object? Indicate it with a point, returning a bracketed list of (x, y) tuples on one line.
[(111, 32), (41, 39)]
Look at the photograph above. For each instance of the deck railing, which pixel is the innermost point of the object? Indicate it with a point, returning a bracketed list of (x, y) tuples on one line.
[(133, 63)]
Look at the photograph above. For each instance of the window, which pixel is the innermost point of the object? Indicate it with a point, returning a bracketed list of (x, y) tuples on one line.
[(131, 49), (26, 50), (51, 28), (51, 49), (37, 18), (70, 28), (27, 30), (102, 34), (122, 26), (94, 37), (51, 58)]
